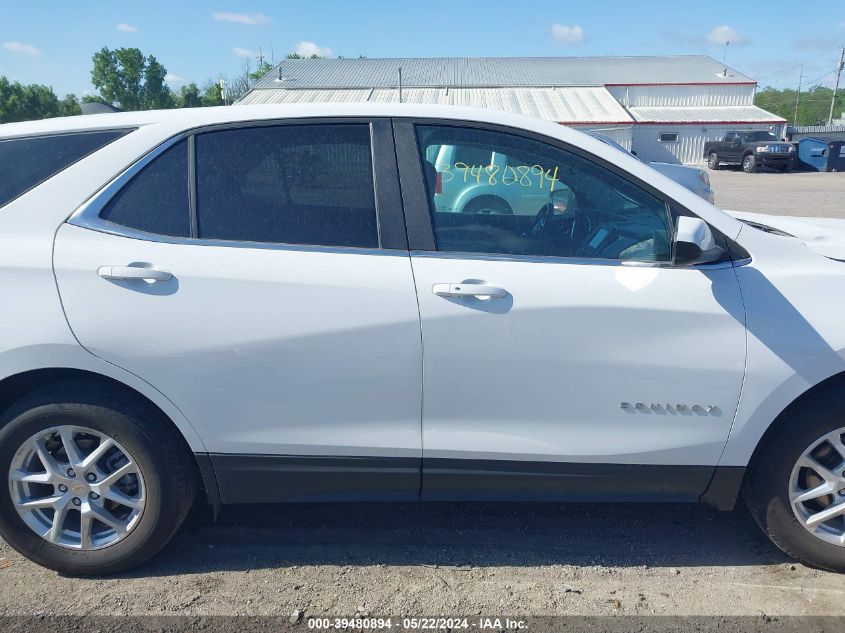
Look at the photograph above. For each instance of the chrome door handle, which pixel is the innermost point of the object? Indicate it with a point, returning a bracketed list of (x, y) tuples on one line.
[(133, 272), (468, 290)]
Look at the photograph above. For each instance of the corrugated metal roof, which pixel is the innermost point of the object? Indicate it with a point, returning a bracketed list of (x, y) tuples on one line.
[(479, 72), (562, 105), (720, 114)]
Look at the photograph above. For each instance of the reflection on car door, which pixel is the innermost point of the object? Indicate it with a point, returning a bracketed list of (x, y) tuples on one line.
[(573, 360)]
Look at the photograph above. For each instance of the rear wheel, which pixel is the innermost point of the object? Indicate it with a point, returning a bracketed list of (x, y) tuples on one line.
[(749, 164), (796, 486), (713, 161), (97, 481), (488, 205)]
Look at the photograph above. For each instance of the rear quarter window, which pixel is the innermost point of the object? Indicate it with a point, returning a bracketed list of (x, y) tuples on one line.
[(27, 162)]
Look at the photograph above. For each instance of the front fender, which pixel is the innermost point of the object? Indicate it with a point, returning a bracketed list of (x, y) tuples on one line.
[(794, 299)]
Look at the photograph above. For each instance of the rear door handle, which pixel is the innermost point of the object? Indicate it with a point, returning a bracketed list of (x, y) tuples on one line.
[(133, 272), (468, 290)]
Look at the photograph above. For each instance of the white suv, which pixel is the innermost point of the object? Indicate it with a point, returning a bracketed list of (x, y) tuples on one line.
[(265, 304)]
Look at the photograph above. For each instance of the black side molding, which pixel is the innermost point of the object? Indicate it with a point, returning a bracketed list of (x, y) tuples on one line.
[(502, 480), (281, 478)]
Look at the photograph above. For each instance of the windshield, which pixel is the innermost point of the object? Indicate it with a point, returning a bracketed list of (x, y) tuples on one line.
[(758, 136)]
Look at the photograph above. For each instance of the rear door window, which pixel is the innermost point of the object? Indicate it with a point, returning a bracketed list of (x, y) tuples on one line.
[(291, 184), (27, 162)]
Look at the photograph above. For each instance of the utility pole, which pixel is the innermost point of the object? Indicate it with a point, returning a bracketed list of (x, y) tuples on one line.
[(836, 85), (798, 97), (260, 58)]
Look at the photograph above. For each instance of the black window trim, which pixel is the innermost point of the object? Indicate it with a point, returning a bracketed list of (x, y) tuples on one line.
[(390, 219), (28, 137), (415, 198)]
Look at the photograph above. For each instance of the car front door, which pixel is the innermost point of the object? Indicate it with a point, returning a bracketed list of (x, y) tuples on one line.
[(565, 355), (259, 277)]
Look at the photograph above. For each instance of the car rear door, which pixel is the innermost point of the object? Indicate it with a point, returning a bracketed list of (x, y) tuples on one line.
[(565, 356), (258, 276)]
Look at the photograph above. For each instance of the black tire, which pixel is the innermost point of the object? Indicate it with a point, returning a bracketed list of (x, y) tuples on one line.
[(169, 475), (786, 169), (488, 205), (749, 164), (766, 485), (713, 161)]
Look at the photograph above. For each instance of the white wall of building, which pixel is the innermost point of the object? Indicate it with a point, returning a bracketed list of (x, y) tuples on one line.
[(684, 96), (689, 148), (622, 134)]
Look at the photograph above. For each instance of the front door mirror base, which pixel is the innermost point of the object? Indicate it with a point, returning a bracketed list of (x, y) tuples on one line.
[(694, 243)]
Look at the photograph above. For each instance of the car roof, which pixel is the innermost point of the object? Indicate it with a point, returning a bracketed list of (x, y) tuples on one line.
[(193, 117)]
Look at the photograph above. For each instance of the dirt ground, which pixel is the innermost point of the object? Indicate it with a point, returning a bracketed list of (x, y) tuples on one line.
[(428, 559), (798, 193)]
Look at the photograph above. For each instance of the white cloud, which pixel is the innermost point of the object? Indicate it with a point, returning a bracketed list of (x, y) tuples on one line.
[(20, 48), (175, 79), (567, 34), (721, 34), (123, 27), (244, 52), (307, 49), (251, 19)]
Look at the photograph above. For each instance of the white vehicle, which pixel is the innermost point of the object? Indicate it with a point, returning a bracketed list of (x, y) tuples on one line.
[(264, 304), (693, 178)]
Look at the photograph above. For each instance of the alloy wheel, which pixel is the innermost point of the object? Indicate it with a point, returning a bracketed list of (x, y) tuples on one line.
[(77, 488), (817, 488)]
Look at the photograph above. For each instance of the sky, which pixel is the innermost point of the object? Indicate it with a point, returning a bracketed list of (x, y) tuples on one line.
[(52, 41)]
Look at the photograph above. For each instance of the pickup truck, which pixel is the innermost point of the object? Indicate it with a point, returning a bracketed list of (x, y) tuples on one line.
[(750, 150)]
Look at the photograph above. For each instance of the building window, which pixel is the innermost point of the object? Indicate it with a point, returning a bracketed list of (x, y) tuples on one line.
[(668, 137)]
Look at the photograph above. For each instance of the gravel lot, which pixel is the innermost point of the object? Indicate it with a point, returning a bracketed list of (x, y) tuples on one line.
[(798, 193), (427, 559)]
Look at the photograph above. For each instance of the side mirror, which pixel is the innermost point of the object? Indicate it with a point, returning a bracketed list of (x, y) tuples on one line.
[(694, 243)]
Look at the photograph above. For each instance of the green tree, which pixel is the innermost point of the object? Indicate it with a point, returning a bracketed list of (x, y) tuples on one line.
[(127, 78), (212, 95), (24, 102), (263, 69), (813, 105), (69, 106), (188, 96), (298, 56)]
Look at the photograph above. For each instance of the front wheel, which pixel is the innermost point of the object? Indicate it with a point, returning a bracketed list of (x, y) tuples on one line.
[(749, 164), (795, 488), (96, 480), (713, 161)]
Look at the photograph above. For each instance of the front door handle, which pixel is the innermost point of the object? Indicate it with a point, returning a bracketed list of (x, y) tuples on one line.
[(125, 273), (468, 290)]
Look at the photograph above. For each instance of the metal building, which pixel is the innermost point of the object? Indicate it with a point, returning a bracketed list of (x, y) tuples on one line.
[(664, 108)]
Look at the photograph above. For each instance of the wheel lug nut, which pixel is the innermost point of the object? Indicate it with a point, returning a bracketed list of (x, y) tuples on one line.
[(91, 477), (94, 496), (62, 488), (70, 472), (77, 501)]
